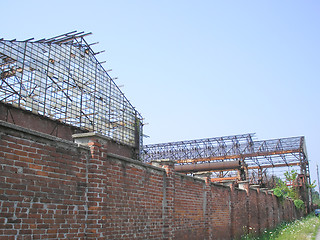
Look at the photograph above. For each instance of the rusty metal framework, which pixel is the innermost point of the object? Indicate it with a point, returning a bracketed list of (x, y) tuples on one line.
[(61, 78), (256, 156), (200, 150)]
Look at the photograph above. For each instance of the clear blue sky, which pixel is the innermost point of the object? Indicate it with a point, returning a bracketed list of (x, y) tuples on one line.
[(197, 69)]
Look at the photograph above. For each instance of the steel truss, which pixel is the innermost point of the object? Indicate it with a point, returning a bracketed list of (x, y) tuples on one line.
[(61, 78), (256, 156)]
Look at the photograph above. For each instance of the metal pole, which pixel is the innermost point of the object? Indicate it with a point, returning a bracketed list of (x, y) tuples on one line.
[(318, 179)]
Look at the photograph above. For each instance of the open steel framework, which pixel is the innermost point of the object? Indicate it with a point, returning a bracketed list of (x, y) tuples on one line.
[(61, 78), (255, 156)]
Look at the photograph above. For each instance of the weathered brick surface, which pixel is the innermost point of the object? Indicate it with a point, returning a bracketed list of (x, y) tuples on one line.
[(263, 210), (190, 208), (240, 213), (43, 186), (254, 224), (270, 206), (54, 189), (124, 199), (276, 211), (220, 217)]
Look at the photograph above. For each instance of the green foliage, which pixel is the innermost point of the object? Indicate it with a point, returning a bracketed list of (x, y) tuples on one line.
[(312, 185), (316, 202), (291, 175), (299, 229), (315, 197), (282, 190), (299, 204), (278, 192)]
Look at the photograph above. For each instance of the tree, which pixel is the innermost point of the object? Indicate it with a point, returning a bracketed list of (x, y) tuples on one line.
[(287, 189), (315, 197)]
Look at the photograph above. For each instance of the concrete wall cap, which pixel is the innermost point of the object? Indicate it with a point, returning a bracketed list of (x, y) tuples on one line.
[(133, 161)]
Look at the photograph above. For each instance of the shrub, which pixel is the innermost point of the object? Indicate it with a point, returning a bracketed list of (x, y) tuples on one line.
[(278, 192), (299, 204)]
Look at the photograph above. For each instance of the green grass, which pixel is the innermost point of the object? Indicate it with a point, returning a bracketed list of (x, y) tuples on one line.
[(305, 228)]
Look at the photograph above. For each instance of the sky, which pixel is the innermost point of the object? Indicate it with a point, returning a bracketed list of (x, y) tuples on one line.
[(198, 69)]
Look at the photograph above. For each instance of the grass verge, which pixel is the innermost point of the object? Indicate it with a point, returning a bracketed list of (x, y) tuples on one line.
[(305, 228)]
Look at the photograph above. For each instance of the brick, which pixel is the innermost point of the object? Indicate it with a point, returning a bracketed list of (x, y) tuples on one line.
[(42, 173), (25, 231), (60, 191), (20, 153), (19, 186), (26, 159), (23, 142), (29, 150), (34, 155), (11, 156)]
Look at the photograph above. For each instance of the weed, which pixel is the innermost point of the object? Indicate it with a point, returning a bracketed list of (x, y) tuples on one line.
[(305, 228)]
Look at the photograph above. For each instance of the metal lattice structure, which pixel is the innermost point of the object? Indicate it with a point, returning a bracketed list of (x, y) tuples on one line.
[(62, 79), (202, 150), (256, 156)]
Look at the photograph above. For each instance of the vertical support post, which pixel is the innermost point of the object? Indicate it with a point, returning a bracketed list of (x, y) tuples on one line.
[(137, 136), (168, 198), (231, 208), (257, 188), (208, 206), (318, 179), (260, 181), (244, 185), (22, 74), (273, 223), (96, 183)]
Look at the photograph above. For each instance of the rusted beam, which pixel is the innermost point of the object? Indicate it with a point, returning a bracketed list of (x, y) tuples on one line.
[(238, 156), (223, 179), (229, 165), (275, 165)]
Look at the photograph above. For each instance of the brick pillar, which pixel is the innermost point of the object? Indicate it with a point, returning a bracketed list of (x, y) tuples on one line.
[(257, 203), (244, 185), (168, 198), (208, 207), (276, 210), (265, 207), (231, 185), (272, 222), (95, 185)]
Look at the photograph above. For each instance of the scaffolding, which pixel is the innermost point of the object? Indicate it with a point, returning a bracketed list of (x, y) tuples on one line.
[(62, 79), (255, 157)]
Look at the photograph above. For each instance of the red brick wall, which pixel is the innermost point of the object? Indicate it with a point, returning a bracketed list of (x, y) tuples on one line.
[(42, 187), (124, 200), (240, 213), (276, 211), (270, 206), (55, 189), (263, 210), (286, 208), (220, 217), (189, 208), (254, 224)]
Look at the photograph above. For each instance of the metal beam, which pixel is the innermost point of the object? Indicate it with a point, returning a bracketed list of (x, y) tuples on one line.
[(275, 165), (238, 156), (200, 155), (230, 165), (224, 179)]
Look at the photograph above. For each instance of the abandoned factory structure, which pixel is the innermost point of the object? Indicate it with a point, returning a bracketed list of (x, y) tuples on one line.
[(221, 156), (73, 164)]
